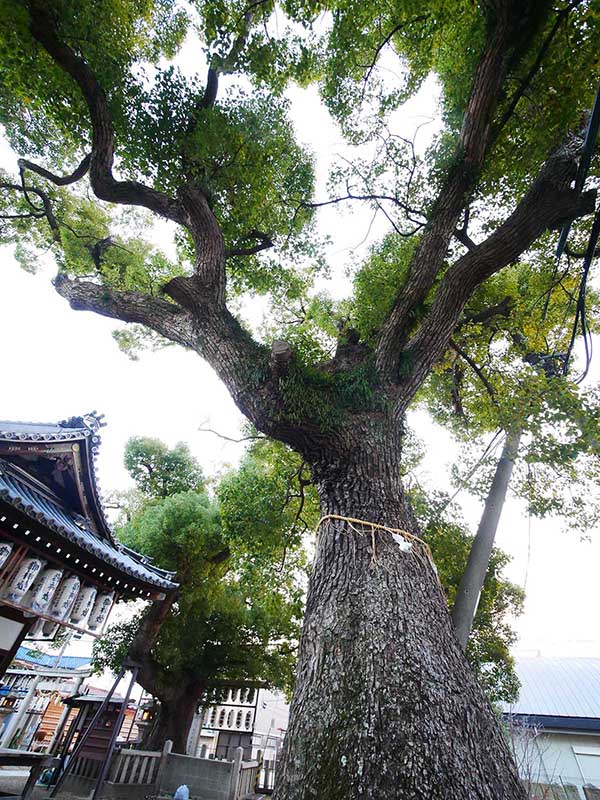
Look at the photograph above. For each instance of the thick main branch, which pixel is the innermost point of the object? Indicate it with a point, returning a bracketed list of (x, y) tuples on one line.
[(472, 147), (549, 203), (104, 184), (165, 318)]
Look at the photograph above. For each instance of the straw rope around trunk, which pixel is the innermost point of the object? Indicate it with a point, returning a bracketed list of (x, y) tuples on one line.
[(423, 547)]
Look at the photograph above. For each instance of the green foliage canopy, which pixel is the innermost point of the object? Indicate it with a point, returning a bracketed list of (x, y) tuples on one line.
[(239, 607)]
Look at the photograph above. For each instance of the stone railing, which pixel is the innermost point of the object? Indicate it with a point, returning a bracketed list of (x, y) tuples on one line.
[(135, 766), (137, 774)]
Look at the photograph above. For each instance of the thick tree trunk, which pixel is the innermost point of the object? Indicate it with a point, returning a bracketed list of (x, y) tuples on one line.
[(385, 705), (471, 583), (175, 719)]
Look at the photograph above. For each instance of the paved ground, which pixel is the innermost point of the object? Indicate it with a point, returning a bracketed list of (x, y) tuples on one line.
[(13, 779)]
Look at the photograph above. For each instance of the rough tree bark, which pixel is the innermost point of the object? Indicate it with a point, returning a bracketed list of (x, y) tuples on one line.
[(471, 583), (175, 717), (385, 705)]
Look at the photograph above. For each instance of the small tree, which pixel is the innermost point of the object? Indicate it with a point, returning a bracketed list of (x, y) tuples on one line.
[(237, 613)]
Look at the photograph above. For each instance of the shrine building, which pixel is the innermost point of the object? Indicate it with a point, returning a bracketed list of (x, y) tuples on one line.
[(60, 564)]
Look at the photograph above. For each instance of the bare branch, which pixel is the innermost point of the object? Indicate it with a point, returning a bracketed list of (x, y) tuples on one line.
[(477, 370), (369, 197), (253, 438), (385, 42)]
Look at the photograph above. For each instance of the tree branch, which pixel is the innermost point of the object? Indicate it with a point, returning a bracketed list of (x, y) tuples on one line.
[(264, 243), (472, 146), (58, 180), (251, 438), (549, 202), (477, 370), (38, 213), (226, 65), (385, 42), (502, 308), (104, 184), (163, 317), (535, 67)]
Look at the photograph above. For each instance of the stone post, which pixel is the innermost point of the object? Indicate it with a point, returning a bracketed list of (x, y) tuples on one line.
[(167, 747), (235, 772)]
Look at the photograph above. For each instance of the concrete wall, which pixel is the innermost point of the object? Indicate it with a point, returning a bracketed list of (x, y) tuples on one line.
[(207, 779)]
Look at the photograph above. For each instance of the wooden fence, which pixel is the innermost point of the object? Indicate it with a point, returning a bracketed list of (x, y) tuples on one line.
[(86, 768), (246, 782), (135, 766)]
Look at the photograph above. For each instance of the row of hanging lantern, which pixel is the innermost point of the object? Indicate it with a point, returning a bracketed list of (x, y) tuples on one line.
[(54, 592)]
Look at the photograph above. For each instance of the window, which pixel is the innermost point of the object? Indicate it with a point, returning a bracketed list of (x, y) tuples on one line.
[(238, 719), (588, 759), (248, 722), (230, 719), (221, 718)]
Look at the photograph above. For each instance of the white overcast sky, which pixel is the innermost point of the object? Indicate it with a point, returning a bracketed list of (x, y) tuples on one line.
[(57, 362)]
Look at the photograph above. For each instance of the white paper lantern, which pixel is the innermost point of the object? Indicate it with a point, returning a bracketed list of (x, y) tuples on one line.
[(83, 605), (100, 611), (5, 550), (38, 598), (23, 578), (65, 597)]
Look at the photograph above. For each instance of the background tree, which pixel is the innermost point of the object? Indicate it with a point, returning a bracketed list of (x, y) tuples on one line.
[(384, 703), (504, 375), (237, 614)]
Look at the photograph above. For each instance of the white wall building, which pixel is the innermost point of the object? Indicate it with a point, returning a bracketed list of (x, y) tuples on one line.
[(555, 727), (252, 718)]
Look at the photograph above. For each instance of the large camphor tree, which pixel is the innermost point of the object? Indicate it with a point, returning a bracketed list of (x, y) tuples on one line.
[(384, 705)]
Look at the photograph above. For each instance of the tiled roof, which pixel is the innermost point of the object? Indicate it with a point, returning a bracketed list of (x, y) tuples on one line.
[(37, 504), (558, 687), (42, 432), (83, 429), (49, 660)]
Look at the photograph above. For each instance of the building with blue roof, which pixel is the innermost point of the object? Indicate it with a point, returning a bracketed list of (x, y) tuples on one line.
[(26, 656), (555, 727)]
